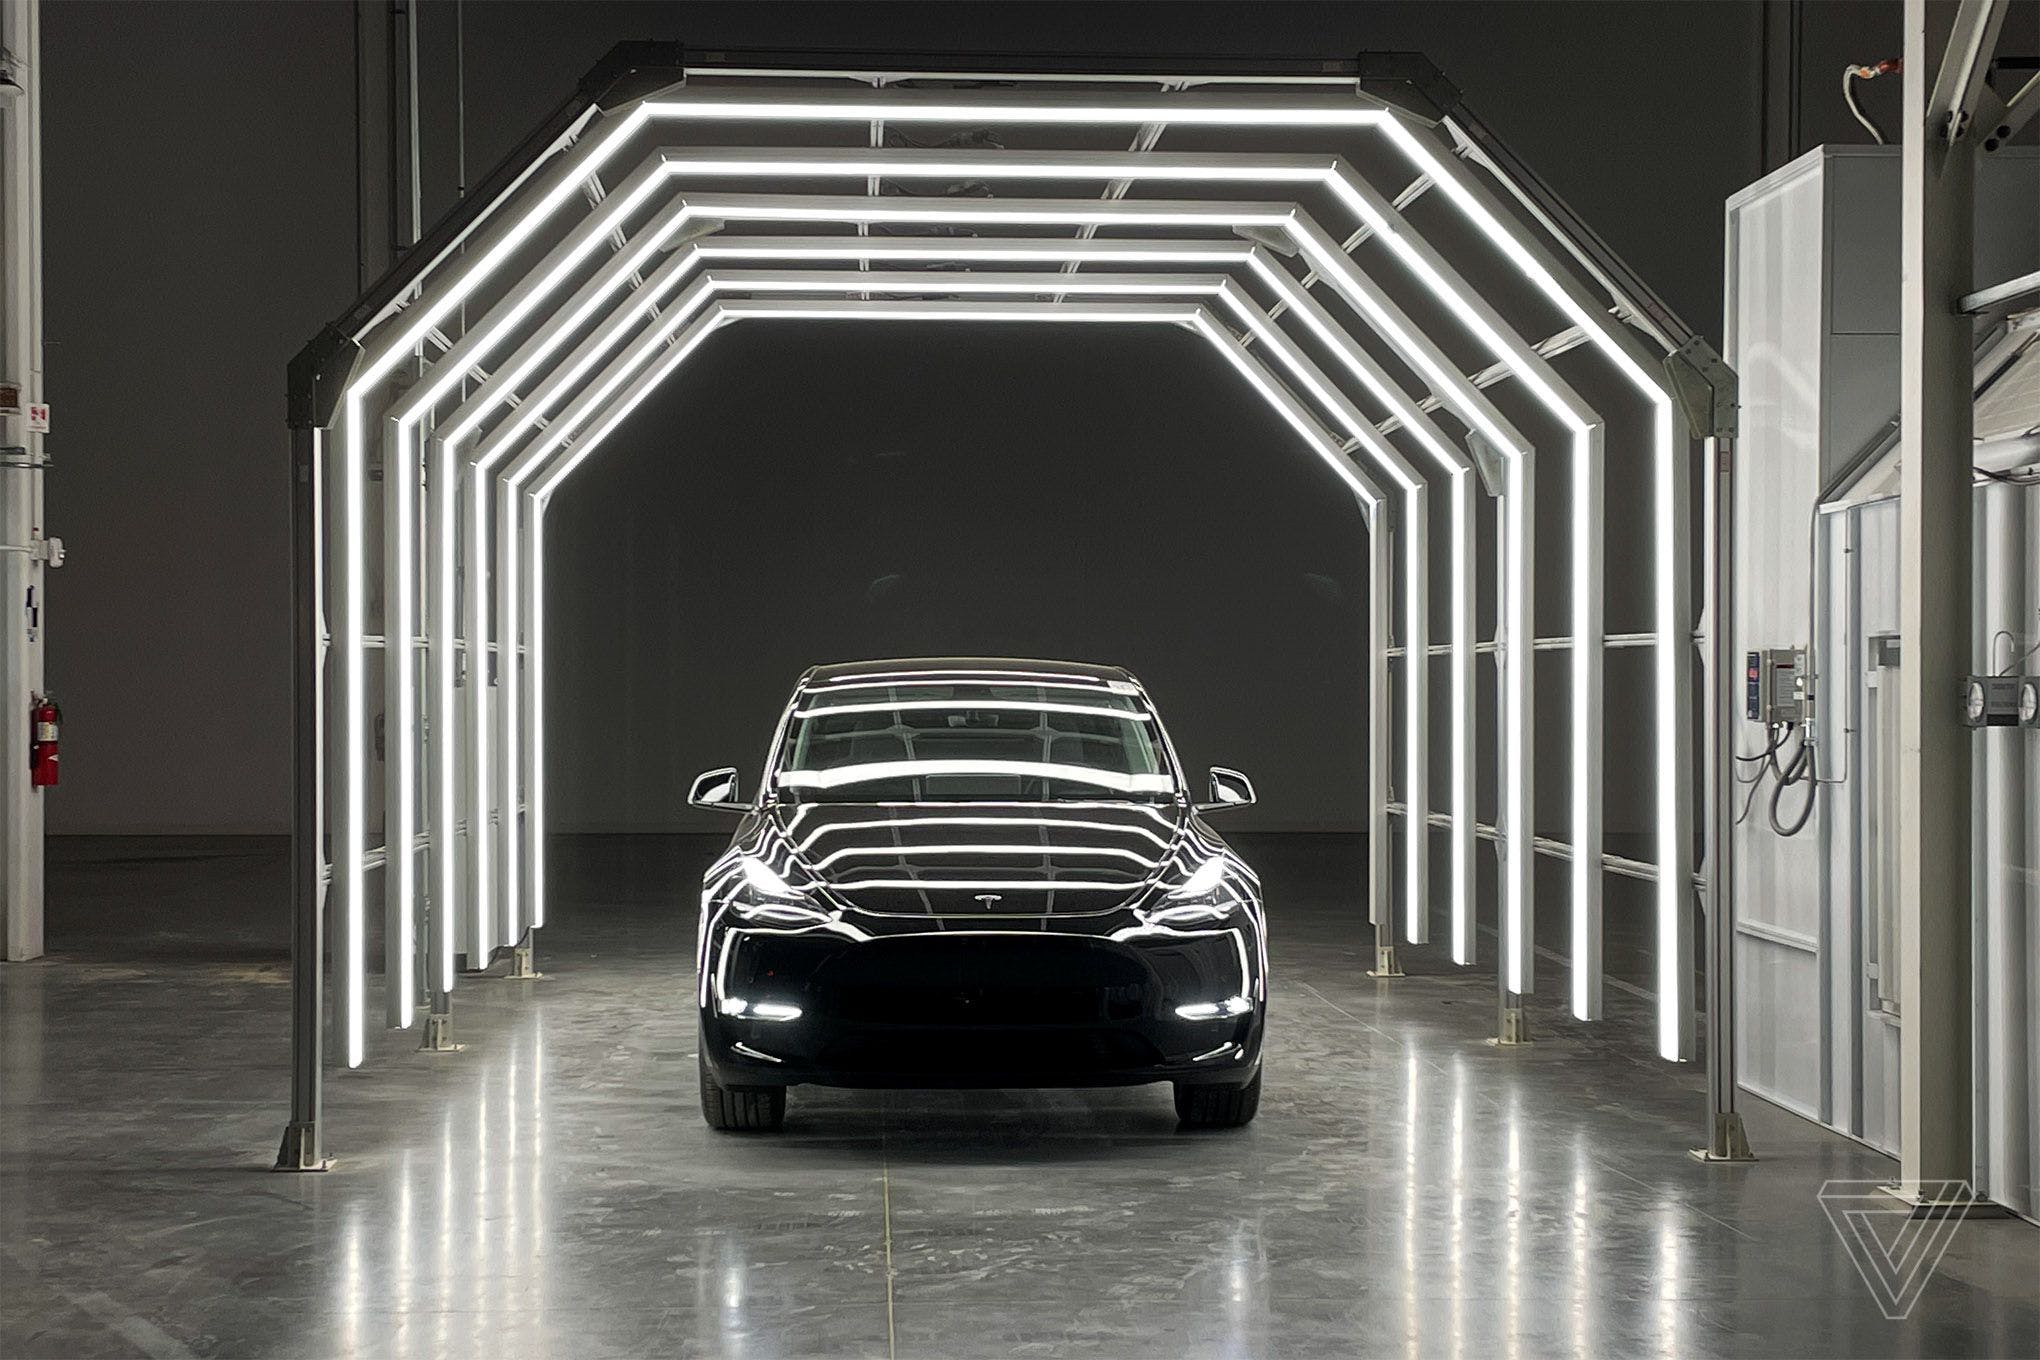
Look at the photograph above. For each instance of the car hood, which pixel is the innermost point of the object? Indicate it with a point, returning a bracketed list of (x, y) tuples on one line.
[(978, 860)]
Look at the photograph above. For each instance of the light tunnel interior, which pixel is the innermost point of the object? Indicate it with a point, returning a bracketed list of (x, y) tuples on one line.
[(1378, 386)]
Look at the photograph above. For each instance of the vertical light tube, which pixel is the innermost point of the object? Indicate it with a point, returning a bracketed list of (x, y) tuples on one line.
[(1672, 688), (508, 715), (1519, 662), (1588, 741), (481, 662), (351, 844), (445, 724), (400, 816), (1380, 871), (1674, 854), (534, 651), (1417, 722), (1462, 718)]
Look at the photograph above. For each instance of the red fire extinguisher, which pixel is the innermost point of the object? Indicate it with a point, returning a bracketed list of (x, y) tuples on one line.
[(44, 719)]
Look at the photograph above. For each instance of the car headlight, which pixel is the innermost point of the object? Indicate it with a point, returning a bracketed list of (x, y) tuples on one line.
[(1195, 899), (766, 896), (1203, 881)]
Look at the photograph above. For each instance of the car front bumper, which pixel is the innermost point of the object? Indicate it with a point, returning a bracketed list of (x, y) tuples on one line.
[(982, 1009)]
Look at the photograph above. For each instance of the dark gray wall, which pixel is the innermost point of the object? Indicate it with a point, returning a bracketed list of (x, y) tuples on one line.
[(895, 494)]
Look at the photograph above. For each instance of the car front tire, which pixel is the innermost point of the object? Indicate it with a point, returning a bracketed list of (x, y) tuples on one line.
[(1209, 1105), (740, 1109)]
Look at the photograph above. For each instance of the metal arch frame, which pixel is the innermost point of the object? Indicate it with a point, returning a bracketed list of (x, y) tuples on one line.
[(1478, 205), (541, 448), (560, 168), (1449, 386), (670, 220)]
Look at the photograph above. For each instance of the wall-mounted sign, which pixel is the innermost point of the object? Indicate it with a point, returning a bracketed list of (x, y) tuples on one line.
[(10, 399), (38, 417)]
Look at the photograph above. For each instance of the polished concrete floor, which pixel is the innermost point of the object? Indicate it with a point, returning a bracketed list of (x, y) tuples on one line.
[(1407, 1190)]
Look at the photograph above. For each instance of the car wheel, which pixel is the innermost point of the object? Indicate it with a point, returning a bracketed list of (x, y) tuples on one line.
[(1208, 1105), (740, 1109)]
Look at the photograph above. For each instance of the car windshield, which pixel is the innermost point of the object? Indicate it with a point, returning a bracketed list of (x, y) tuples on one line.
[(893, 742)]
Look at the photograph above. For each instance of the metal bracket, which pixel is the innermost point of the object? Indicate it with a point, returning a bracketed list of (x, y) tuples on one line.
[(633, 69), (1487, 461), (1727, 1141), (521, 969), (300, 1150), (437, 1035), (317, 377), (1385, 965), (1278, 242), (1706, 388), (1514, 1028), (1408, 83)]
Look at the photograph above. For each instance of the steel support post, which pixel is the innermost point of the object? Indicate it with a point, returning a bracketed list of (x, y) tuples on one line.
[(1726, 1139), (1936, 1081), (1516, 661), (302, 1149), (22, 564)]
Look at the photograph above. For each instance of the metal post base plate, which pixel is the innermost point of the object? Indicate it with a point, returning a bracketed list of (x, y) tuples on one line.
[(1514, 1028), (438, 1034), (300, 1150), (1942, 1199), (1385, 965), (521, 969), (1728, 1142)]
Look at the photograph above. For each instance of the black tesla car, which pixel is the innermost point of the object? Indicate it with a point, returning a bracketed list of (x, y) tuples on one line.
[(977, 873)]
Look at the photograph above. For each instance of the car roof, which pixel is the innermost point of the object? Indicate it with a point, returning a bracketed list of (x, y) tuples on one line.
[(966, 668)]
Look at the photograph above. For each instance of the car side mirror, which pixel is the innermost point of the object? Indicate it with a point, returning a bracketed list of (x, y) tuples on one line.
[(717, 791), (1229, 789)]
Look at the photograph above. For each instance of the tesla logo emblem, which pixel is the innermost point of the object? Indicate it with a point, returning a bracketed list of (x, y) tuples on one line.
[(988, 899)]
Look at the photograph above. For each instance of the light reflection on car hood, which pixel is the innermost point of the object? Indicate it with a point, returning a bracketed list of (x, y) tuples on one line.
[(977, 859)]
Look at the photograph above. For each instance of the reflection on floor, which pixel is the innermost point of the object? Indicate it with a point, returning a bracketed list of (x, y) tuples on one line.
[(552, 1190)]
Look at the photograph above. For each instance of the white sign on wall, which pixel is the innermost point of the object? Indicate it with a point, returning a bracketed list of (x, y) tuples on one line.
[(38, 417)]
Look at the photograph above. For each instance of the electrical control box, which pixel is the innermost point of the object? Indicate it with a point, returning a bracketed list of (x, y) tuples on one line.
[(1777, 686)]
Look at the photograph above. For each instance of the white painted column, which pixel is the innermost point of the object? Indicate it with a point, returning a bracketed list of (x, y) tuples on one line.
[(22, 562), (1936, 1082)]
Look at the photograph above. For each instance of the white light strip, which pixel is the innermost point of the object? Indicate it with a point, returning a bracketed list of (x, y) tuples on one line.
[(1037, 850), (993, 705), (905, 106), (535, 642), (890, 825), (509, 717), (445, 486), (347, 854), (1584, 425), (400, 857), (1674, 840), (870, 771)]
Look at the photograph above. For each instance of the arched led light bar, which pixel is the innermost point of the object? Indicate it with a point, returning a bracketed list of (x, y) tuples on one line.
[(601, 137), (680, 308), (1329, 260), (1455, 392), (672, 334)]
